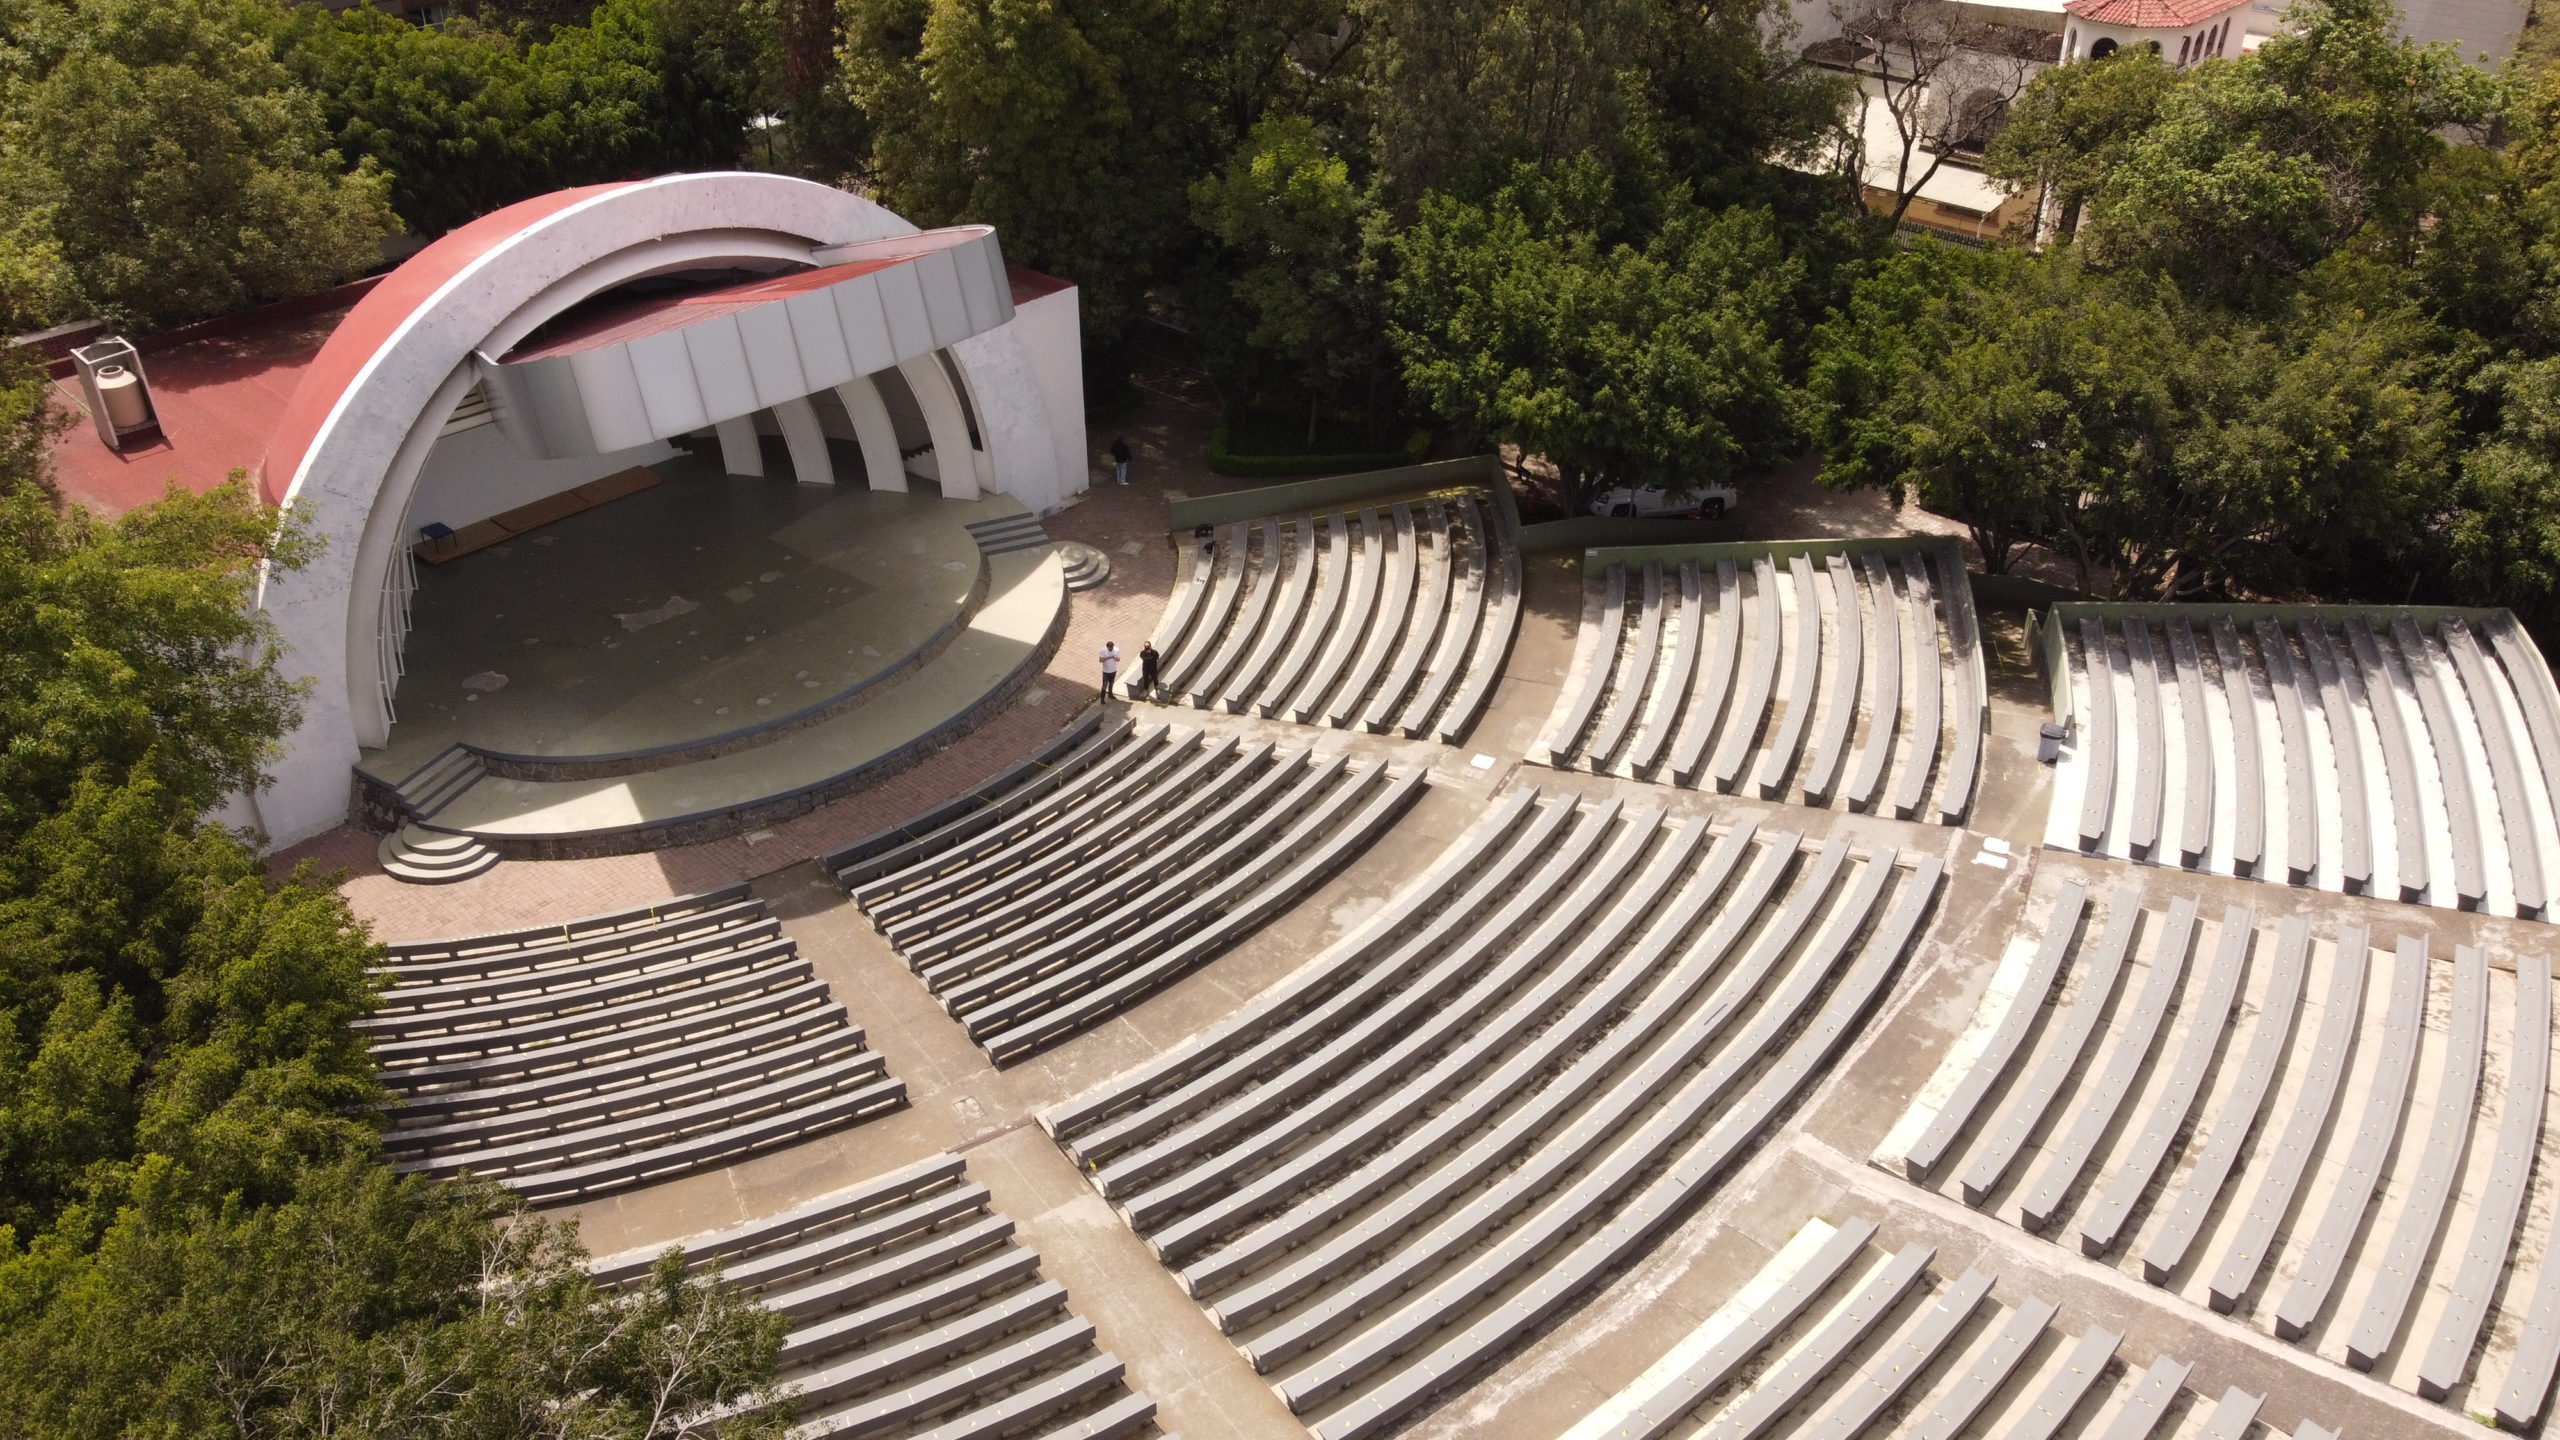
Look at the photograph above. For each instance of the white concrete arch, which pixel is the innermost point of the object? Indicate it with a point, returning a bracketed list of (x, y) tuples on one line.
[(347, 454)]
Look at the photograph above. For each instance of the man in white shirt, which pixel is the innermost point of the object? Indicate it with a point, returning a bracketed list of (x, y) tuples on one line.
[(1110, 667)]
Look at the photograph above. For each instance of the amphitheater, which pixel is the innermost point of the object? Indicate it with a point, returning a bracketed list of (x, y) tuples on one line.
[(1591, 978)]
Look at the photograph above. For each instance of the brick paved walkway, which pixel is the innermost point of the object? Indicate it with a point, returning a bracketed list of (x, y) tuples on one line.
[(1170, 432)]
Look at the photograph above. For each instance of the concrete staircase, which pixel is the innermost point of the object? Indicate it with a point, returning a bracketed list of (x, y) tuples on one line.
[(1086, 566), (1008, 533), (430, 857)]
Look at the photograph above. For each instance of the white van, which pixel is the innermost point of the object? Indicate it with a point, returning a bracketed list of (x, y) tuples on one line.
[(1707, 504)]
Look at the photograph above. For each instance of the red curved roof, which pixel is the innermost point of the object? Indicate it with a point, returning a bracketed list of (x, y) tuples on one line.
[(379, 316), (2150, 14)]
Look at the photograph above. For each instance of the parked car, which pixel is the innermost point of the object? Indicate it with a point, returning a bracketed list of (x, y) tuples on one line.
[(1707, 504)]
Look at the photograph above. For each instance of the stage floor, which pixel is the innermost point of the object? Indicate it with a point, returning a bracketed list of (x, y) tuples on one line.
[(703, 606)]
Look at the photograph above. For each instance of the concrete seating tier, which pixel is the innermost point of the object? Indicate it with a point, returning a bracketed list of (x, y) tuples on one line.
[(2410, 754), (1828, 672), (915, 1316), (1402, 1162), (605, 1052), (1097, 876), (1837, 1337), (1394, 618), (2327, 1133)]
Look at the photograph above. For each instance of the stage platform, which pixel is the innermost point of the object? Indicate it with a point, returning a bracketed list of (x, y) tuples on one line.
[(710, 653)]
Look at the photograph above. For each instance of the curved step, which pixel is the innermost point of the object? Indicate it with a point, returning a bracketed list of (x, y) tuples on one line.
[(431, 857)]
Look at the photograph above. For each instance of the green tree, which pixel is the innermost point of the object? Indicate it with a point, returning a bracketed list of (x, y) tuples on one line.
[(1292, 227), (2074, 126), (1072, 126), (2256, 169), (1658, 363), (185, 173)]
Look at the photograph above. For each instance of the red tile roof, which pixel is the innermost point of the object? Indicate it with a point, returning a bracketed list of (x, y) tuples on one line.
[(2150, 14)]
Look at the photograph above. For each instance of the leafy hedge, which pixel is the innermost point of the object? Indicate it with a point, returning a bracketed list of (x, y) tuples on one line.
[(1228, 462)]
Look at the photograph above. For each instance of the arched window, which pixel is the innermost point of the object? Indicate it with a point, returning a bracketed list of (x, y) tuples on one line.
[(2103, 49), (2184, 47), (2071, 41)]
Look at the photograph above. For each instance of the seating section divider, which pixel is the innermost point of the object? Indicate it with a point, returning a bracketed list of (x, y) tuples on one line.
[(574, 1060), (1398, 620), (914, 1314), (1395, 1167), (2167, 1091), (1133, 860), (1828, 673)]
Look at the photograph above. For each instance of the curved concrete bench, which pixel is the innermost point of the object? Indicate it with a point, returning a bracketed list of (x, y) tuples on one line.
[(1130, 1106), (460, 1055), (495, 945), (1999, 1054), (2453, 774), (745, 1002), (1188, 654), (1796, 1377), (2248, 760), (2530, 679), (1491, 1154), (2328, 690), (1448, 661), (2069, 1386), (1317, 848), (2293, 731), (2098, 748), (1454, 1233), (1722, 634), (1595, 658), (2239, 1115), (1287, 618), (1106, 795), (466, 1030), (2149, 1403), (2245, 1255), (1895, 1369), (702, 928), (2493, 1225), (1956, 1406), (2105, 1093), (2150, 744), (1557, 1254), (1634, 676), (2399, 763), (2377, 1128), (1321, 617), (1208, 683), (1094, 770), (1388, 620), (1840, 691), (1420, 627), (1969, 687), (1928, 670), (1787, 737), (1491, 649), (426, 1007), (1284, 1050), (1312, 1184), (2413, 1236), (1874, 754), (2195, 823), (982, 805), (1359, 604), (909, 1305), (1684, 608), (1759, 676), (2060, 1051), (1190, 588), (1354, 1066), (2506, 768), (2206, 1021)]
